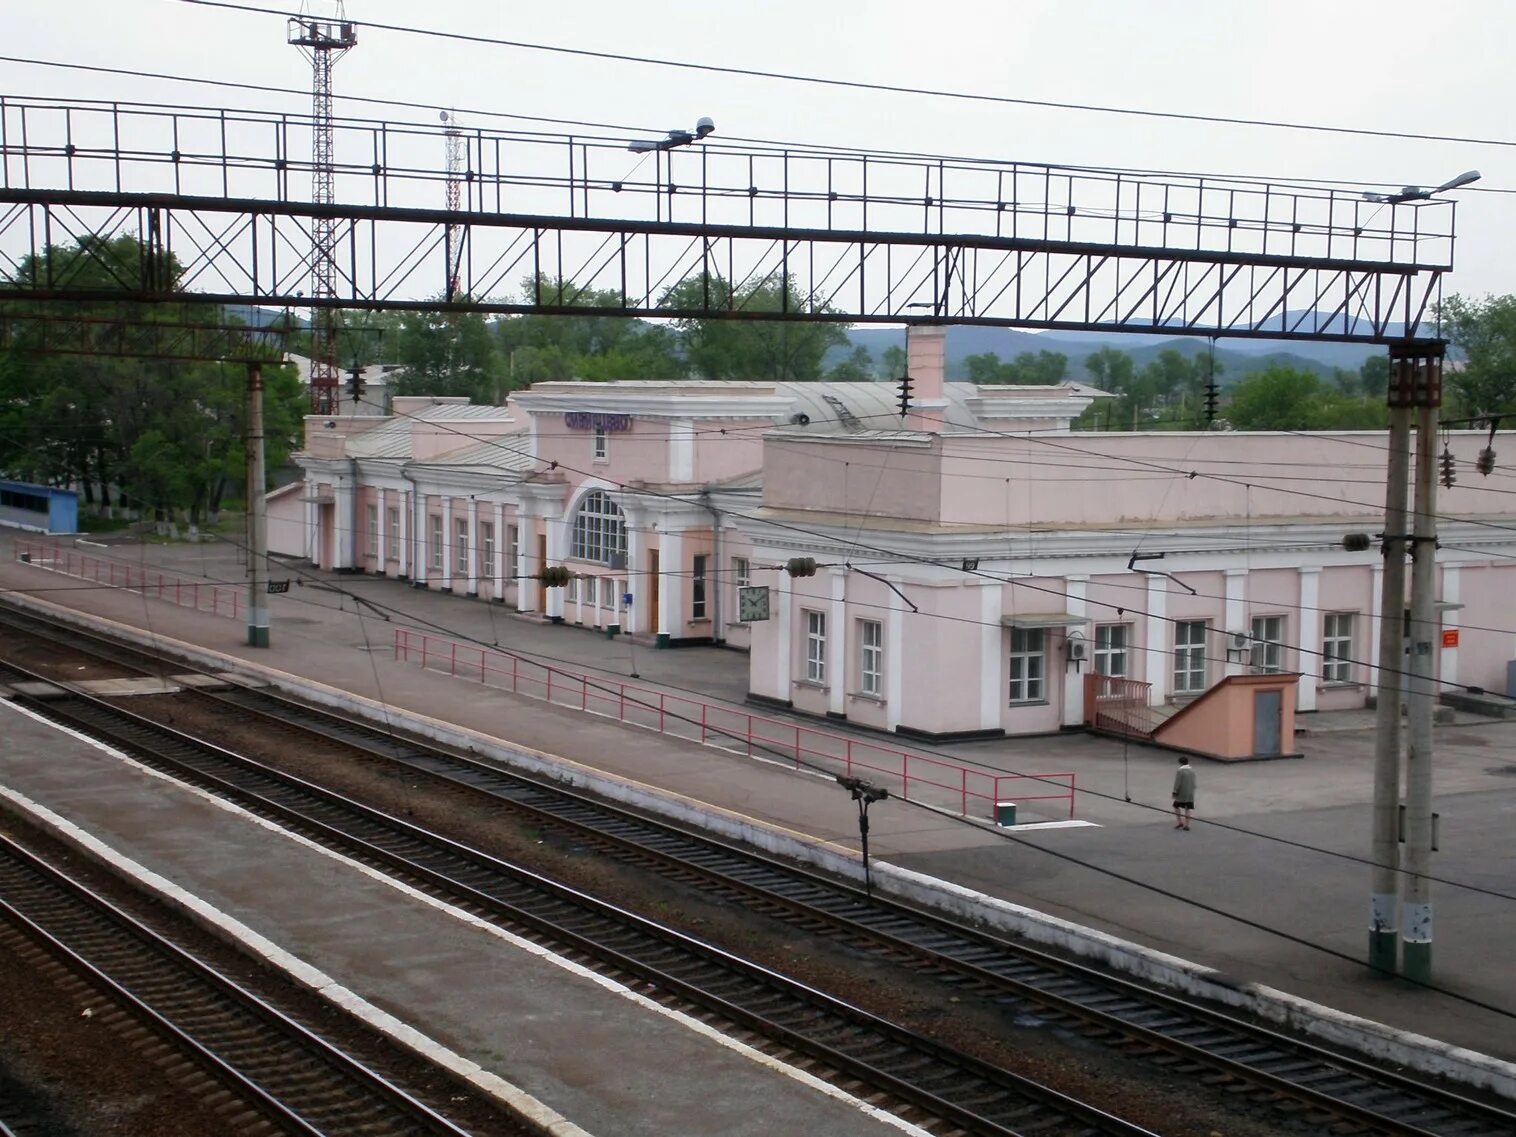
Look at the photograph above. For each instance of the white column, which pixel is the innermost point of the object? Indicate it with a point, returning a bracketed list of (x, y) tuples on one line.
[(1375, 623), (383, 516), (637, 582), (446, 507), (1076, 588), (497, 570), (671, 585), (1236, 619), (784, 655), (405, 567), (894, 659), (526, 547), (473, 546), (837, 645), (1156, 653), (342, 517), (1309, 639), (553, 603), (423, 571), (583, 583), (991, 656), (1447, 669), (312, 522)]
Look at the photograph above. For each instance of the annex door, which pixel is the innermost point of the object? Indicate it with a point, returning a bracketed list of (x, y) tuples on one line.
[(1268, 714)]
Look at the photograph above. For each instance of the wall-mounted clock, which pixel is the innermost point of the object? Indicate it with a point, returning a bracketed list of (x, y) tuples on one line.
[(753, 603)]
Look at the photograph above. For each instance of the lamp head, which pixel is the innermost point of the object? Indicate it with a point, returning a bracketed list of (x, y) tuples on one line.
[(705, 126)]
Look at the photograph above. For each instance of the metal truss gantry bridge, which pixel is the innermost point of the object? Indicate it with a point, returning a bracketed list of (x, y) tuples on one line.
[(845, 237)]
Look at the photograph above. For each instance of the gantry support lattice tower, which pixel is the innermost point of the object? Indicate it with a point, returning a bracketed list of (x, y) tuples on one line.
[(323, 43), (454, 236)]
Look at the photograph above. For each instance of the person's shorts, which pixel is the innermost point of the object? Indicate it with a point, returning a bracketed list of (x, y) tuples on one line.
[(1184, 805)]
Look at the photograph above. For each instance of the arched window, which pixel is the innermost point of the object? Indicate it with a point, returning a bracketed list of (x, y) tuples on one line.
[(599, 529)]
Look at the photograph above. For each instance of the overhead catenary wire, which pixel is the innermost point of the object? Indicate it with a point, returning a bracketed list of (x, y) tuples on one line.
[(873, 87)]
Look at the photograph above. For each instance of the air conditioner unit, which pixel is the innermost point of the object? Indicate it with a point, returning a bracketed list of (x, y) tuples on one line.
[(1076, 649), (1240, 641), (617, 561)]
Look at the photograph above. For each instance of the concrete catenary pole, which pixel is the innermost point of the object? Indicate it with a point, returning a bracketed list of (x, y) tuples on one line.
[(257, 560), (1416, 925), (1384, 897)]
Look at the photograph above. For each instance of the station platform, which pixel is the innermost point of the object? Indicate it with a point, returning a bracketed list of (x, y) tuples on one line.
[(1269, 886), (587, 1052)]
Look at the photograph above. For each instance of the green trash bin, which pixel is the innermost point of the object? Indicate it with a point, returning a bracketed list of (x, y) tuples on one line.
[(1005, 813)]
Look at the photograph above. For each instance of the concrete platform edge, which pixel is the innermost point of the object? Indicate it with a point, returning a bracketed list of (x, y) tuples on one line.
[(1414, 1052), (528, 1111)]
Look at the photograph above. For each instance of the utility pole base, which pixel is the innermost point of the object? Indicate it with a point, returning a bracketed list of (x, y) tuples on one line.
[(257, 636), (1417, 966), (1383, 948)]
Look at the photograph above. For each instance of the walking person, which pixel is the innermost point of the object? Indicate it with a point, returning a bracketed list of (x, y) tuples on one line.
[(1184, 793)]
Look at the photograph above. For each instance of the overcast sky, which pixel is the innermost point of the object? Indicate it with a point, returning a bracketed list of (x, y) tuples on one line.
[(1384, 65)]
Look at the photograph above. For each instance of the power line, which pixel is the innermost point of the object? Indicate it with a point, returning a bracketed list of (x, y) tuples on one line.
[(887, 88)]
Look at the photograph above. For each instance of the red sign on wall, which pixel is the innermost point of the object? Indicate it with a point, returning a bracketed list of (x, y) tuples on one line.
[(1450, 638)]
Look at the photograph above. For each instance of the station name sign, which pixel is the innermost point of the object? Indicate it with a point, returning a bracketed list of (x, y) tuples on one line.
[(586, 420)]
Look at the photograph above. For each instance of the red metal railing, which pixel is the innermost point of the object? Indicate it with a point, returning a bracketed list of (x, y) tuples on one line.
[(1121, 706), (912, 776), (216, 599)]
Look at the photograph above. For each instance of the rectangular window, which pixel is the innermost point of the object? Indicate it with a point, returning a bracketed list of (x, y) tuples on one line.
[(607, 592), (512, 549), (1028, 665), (460, 543), (742, 574), (1337, 647), (372, 538), (1268, 641), (436, 549), (815, 646), (871, 658), (697, 588), (602, 444), (1111, 642), (1189, 657), (487, 549), (571, 590), (392, 534)]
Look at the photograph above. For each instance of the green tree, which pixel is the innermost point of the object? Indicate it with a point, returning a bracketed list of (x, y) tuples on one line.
[(1484, 331), (597, 347), (892, 362), (1281, 398), (1374, 376), (856, 368), (447, 354), (736, 346), (164, 434), (1041, 368)]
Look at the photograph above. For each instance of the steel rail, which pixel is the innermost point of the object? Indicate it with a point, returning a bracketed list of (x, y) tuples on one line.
[(242, 1031)]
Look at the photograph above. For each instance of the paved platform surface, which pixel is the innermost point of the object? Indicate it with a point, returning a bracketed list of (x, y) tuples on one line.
[(1269, 886), (610, 1062)]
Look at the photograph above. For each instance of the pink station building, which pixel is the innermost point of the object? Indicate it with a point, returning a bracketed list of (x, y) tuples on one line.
[(974, 559)]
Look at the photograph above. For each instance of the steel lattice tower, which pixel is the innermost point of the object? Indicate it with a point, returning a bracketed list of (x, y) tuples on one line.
[(454, 136), (323, 43)]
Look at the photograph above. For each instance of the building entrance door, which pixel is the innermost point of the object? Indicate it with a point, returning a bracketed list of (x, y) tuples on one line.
[(653, 590)]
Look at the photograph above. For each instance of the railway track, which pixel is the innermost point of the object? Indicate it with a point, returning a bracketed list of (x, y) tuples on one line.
[(1339, 1091), (218, 1039)]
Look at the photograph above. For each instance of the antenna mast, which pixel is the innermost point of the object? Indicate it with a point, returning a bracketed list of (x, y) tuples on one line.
[(323, 42)]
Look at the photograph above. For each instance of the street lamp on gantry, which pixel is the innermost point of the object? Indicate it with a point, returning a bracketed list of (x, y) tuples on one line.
[(703, 128), (865, 794), (1417, 193)]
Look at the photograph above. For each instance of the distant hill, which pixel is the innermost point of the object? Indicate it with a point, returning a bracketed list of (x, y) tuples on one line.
[(1236, 356)]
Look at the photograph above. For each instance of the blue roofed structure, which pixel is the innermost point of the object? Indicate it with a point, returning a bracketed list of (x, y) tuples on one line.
[(40, 509)]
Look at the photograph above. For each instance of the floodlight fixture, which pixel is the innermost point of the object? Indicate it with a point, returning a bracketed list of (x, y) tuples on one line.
[(704, 127), (1418, 193)]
